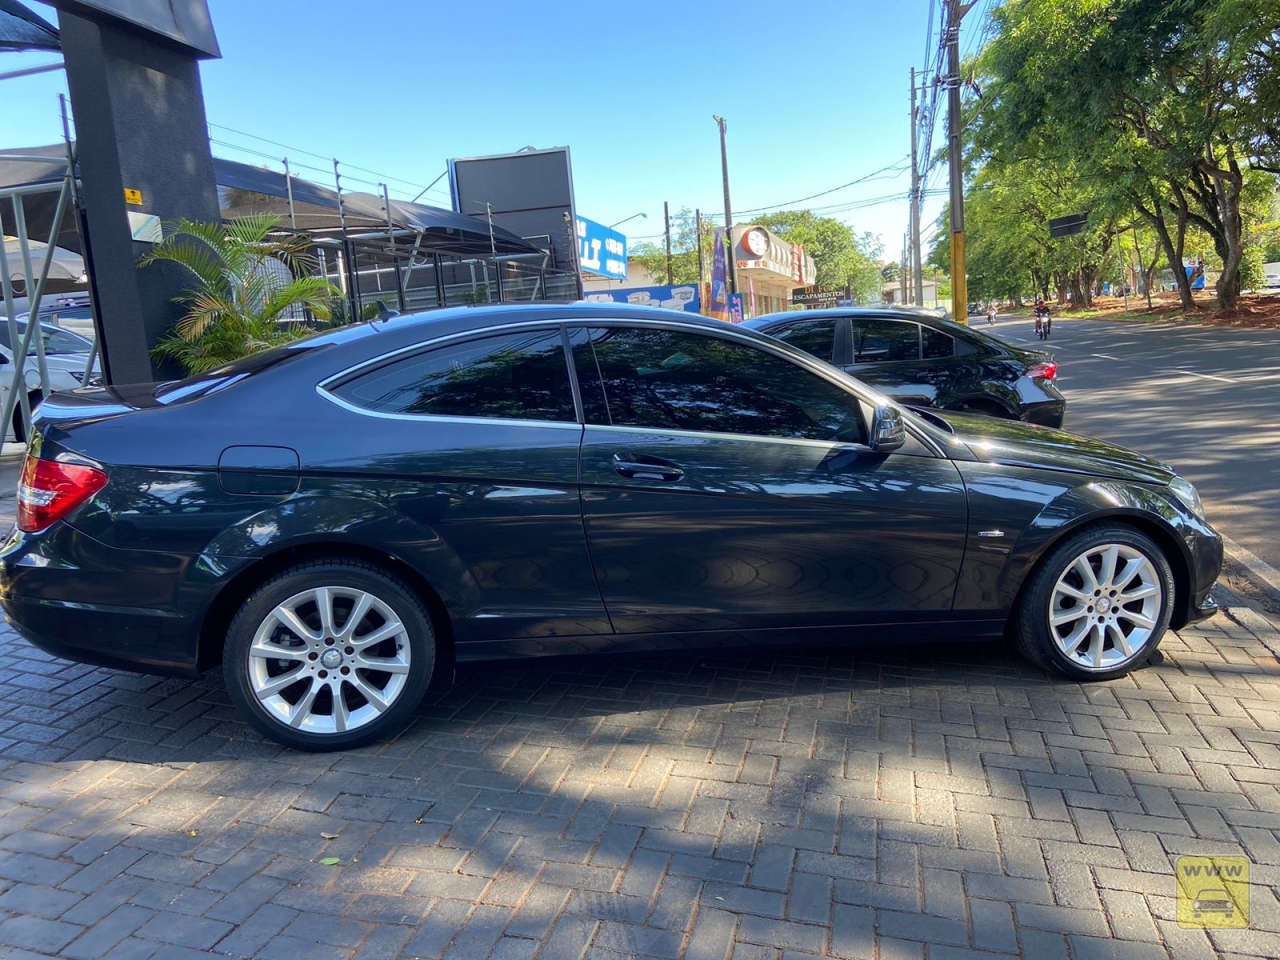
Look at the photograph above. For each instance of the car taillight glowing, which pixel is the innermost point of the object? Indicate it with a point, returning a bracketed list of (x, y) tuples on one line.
[(49, 490), (1043, 371)]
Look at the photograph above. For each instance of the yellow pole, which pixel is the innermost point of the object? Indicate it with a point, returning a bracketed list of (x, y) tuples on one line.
[(959, 281)]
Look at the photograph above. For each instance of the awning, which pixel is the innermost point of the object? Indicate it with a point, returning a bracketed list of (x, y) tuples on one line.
[(20, 29), (244, 188)]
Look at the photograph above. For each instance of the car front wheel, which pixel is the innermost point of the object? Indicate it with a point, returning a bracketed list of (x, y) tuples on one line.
[(329, 655), (1097, 605)]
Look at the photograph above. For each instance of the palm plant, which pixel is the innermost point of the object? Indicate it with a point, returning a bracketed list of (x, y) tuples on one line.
[(247, 283)]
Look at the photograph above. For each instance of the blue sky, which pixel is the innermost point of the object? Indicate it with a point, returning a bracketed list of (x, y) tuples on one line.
[(815, 95)]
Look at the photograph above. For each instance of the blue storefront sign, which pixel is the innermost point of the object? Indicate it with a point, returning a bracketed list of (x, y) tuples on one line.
[(600, 250), (682, 296), (736, 308)]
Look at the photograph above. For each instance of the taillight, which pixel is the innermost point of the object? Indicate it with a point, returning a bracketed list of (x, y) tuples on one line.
[(1043, 371), (49, 490)]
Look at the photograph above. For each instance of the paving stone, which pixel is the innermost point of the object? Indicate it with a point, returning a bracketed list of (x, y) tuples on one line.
[(859, 805)]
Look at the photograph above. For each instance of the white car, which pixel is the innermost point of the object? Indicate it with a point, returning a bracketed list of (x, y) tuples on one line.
[(66, 354)]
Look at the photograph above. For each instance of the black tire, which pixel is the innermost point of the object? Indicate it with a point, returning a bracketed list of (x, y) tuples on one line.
[(19, 429), (346, 581), (1042, 642)]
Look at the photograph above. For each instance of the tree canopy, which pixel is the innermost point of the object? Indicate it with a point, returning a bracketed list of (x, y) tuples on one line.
[(840, 256), (1165, 112)]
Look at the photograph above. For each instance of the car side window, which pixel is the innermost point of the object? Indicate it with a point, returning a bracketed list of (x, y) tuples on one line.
[(816, 337), (514, 376), (936, 345), (885, 341), (61, 343), (673, 380)]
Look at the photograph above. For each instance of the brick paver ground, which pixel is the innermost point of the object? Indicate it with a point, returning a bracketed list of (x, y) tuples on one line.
[(938, 802)]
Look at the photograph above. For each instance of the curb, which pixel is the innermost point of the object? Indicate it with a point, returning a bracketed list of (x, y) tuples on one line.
[(1255, 565)]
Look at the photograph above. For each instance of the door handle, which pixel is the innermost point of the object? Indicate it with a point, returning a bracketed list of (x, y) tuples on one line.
[(638, 466)]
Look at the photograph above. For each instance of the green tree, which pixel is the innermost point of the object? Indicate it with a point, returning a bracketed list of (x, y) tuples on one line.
[(841, 258), (1154, 84), (247, 284), (684, 250)]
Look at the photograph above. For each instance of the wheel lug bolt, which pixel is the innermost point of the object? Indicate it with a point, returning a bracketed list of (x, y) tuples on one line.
[(324, 674)]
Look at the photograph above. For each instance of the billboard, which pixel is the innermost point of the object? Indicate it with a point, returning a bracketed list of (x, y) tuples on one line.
[(682, 296), (600, 250), (529, 193)]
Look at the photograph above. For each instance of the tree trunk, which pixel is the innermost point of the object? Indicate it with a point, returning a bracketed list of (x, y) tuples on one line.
[(1227, 190), (1177, 249), (1079, 295)]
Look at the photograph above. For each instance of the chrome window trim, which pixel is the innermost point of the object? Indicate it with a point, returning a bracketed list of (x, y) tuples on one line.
[(440, 418), (712, 435), (765, 342)]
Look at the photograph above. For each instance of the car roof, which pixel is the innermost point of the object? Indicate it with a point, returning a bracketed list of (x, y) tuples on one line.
[(432, 324)]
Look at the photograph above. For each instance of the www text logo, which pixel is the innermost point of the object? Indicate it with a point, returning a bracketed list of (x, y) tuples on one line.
[(1213, 892)]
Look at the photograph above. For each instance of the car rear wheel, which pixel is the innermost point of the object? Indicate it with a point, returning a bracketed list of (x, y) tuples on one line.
[(19, 428), (329, 655), (1097, 605)]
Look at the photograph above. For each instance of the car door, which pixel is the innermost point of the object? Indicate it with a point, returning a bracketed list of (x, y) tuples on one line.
[(477, 441), (726, 486)]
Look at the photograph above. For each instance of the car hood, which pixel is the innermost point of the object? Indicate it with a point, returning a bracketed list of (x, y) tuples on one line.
[(1021, 444)]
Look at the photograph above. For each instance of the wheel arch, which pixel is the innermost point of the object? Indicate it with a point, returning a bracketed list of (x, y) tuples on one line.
[(1164, 536), (232, 595)]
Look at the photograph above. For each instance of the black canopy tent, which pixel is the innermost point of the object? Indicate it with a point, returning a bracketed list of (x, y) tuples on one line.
[(412, 256), (314, 209), (20, 29)]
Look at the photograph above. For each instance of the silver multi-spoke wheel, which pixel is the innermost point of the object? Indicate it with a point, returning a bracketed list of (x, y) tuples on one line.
[(329, 660), (1097, 605), (1105, 606)]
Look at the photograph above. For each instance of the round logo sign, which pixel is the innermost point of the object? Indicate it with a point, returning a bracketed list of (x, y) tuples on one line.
[(756, 241)]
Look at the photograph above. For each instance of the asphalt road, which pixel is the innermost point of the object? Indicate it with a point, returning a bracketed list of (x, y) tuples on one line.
[(1204, 399)]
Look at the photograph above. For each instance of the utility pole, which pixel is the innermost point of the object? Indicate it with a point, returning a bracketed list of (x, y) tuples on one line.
[(666, 218), (728, 207), (697, 232), (902, 269), (916, 255), (959, 280)]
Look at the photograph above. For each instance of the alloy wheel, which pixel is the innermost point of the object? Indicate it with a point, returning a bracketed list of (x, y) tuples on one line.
[(329, 660), (1105, 606)]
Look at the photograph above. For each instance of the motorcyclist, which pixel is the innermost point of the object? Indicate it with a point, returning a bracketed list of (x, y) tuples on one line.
[(1042, 318)]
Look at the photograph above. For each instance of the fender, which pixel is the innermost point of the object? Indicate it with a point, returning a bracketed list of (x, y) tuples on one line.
[(1032, 510), (1090, 503)]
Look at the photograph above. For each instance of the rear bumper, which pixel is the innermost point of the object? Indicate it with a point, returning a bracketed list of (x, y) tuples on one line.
[(79, 599), (1049, 413), (145, 641)]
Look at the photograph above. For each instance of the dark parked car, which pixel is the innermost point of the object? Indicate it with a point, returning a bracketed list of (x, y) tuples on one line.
[(338, 520), (916, 357)]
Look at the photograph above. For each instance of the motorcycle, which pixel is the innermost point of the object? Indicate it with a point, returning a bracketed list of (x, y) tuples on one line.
[(1044, 322)]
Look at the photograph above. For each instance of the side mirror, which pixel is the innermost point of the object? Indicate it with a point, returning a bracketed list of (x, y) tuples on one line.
[(888, 433)]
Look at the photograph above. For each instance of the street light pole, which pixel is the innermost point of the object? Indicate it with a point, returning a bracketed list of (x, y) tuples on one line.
[(728, 207), (959, 278), (916, 254), (625, 219)]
